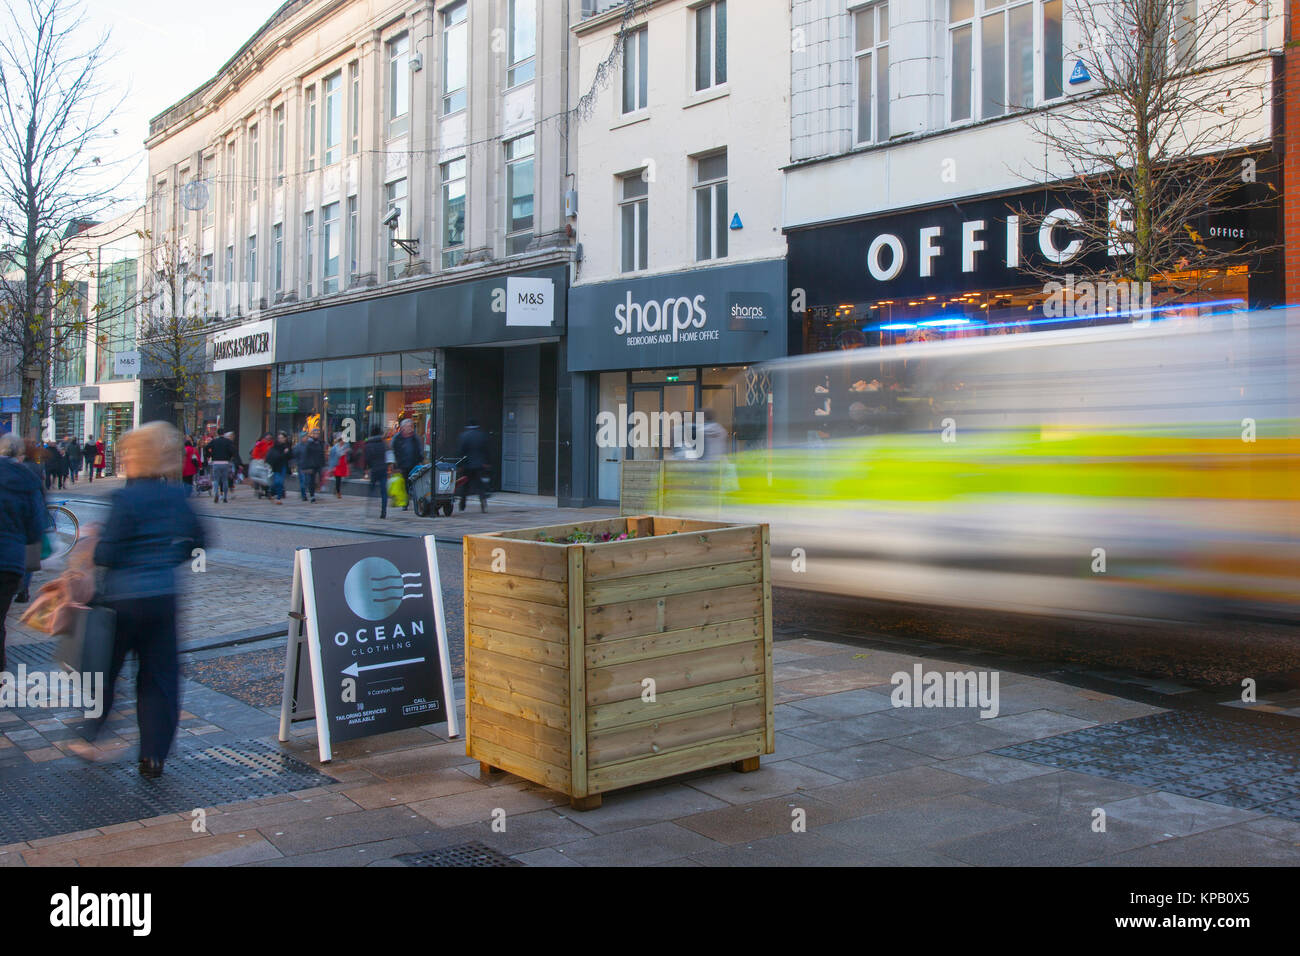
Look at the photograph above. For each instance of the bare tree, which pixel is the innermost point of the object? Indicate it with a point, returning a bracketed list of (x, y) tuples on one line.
[(1160, 145), (174, 308), (54, 117)]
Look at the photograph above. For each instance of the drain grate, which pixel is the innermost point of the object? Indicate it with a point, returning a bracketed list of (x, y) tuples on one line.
[(52, 800), (1185, 752), (33, 655), (462, 854)]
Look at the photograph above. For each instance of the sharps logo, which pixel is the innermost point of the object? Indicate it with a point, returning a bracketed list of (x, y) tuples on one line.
[(673, 320), (76, 909), (374, 588), (949, 689)]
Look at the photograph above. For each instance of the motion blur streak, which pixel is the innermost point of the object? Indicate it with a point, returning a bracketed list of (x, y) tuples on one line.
[(1142, 471)]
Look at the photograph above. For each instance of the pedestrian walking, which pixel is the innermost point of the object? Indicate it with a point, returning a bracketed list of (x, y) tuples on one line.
[(189, 466), (32, 462), (150, 530), (22, 514), (101, 457), (88, 456), (222, 453), (311, 464), (408, 453), (376, 459), (338, 464), (75, 458), (474, 449), (278, 457), (50, 463)]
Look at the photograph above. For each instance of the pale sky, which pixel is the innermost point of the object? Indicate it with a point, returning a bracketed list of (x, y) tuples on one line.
[(165, 50)]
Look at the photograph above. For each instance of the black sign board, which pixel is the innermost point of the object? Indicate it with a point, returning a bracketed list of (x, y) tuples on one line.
[(371, 621)]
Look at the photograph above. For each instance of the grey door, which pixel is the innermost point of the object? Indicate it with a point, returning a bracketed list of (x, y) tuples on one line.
[(519, 445)]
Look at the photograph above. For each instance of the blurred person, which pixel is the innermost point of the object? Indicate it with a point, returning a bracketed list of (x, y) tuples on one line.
[(376, 462), (22, 521), (150, 530), (51, 460), (221, 452), (88, 457), (31, 460), (713, 438), (408, 453), (278, 457), (261, 447), (474, 449), (100, 458), (338, 464), (75, 458), (310, 465), (189, 466)]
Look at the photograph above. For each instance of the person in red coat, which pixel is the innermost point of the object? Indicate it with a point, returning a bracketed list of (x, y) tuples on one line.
[(101, 460), (189, 466)]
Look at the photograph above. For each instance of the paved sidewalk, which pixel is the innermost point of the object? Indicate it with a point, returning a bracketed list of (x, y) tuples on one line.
[(875, 785)]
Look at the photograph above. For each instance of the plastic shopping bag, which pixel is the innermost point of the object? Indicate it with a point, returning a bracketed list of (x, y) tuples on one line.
[(397, 491)]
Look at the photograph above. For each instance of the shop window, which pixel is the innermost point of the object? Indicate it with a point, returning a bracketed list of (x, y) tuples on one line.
[(455, 58), (636, 82), (871, 42), (519, 189), (633, 218), (711, 45), (116, 305), (453, 212), (523, 42), (711, 207)]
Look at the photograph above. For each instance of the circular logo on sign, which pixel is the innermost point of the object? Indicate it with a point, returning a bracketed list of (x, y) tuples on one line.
[(374, 588)]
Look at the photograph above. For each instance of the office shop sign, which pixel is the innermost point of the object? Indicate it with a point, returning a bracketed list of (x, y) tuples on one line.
[(246, 346), (367, 652), (693, 318)]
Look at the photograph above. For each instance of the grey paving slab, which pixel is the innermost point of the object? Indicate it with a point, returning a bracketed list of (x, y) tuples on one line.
[(852, 731), (546, 857), (1053, 793), (344, 829), (924, 824), (770, 780), (354, 855), (1226, 846), (787, 716), (1174, 814), (1279, 829), (629, 809), (897, 789), (639, 846), (764, 818), (789, 747), (255, 852), (994, 769), (919, 858), (476, 806), (1034, 724), (789, 849), (272, 815), (867, 760), (936, 718), (1062, 840), (961, 740), (524, 832), (849, 703)]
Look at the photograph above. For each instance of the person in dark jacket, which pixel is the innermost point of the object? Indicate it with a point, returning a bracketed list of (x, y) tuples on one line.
[(278, 457), (222, 452), (74, 458), (22, 514), (474, 449), (310, 464), (150, 530), (408, 453), (51, 459), (88, 457), (376, 459)]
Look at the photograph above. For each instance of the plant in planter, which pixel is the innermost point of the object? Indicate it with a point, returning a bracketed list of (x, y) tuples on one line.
[(610, 653)]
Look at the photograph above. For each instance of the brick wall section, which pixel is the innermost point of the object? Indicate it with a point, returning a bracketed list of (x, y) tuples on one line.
[(1291, 165)]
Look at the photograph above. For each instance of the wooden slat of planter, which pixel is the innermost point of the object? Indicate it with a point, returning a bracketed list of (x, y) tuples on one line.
[(691, 550), (529, 768), (469, 738), (643, 525), (538, 681), (546, 622), (665, 643), (669, 525), (713, 754), (525, 737), (577, 675), (769, 687), (661, 737), (611, 622), (664, 583), (523, 589), (623, 681), (597, 527), (553, 653), (529, 708), (622, 712), (526, 559)]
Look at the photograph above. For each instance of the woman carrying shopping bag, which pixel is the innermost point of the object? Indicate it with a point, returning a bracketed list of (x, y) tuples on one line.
[(338, 464), (149, 531)]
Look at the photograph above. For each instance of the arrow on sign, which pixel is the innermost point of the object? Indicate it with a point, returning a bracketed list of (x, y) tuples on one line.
[(353, 669)]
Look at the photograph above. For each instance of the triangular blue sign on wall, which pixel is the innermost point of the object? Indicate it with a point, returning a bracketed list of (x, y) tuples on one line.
[(735, 221), (1080, 74)]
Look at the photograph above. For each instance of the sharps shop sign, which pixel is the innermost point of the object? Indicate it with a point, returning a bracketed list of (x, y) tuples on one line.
[(248, 345), (371, 634)]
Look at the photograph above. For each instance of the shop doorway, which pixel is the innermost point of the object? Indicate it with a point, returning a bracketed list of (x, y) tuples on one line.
[(112, 420), (519, 444), (670, 411)]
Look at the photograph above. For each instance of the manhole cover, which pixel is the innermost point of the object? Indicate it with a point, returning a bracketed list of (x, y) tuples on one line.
[(462, 854), (49, 800), (1185, 752)]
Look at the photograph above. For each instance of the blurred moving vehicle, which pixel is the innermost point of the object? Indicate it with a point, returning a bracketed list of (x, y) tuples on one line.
[(1144, 470)]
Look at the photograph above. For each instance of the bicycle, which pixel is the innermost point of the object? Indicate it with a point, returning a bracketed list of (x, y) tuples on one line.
[(63, 529)]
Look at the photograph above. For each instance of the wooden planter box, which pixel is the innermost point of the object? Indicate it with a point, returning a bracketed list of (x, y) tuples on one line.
[(562, 641)]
